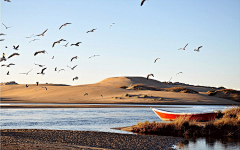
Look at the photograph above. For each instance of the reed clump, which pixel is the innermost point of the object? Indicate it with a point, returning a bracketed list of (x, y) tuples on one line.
[(228, 125)]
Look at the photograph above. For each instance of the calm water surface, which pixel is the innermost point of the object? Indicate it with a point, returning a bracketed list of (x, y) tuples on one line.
[(104, 119)]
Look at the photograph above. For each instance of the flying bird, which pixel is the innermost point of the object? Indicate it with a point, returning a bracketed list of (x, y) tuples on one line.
[(85, 94), (91, 30), (198, 49), (7, 65), (58, 42), (102, 95), (26, 73), (149, 75), (2, 39), (111, 25), (42, 34), (64, 25), (142, 2), (27, 86), (55, 69), (3, 58), (74, 58), (40, 52), (33, 40), (15, 47), (44, 87), (93, 56), (39, 65), (7, 0), (13, 55), (156, 60), (8, 73), (2, 34), (42, 71), (66, 44), (179, 73), (77, 44), (76, 78), (30, 36), (184, 47), (72, 67), (61, 70), (6, 26)]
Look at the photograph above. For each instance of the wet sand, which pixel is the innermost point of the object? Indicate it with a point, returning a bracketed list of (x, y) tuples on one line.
[(63, 139)]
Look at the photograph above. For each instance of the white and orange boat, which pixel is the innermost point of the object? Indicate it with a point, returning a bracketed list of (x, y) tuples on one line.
[(170, 116)]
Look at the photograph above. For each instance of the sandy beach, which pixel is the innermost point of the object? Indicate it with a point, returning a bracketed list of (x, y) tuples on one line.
[(108, 91)]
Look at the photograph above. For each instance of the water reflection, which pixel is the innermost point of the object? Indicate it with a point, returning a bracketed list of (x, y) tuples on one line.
[(210, 144)]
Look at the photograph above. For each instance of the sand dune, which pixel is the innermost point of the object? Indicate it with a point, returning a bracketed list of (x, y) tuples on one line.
[(109, 89)]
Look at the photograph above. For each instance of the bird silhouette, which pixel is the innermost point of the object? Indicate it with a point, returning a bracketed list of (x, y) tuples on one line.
[(77, 44), (142, 2), (30, 36), (2, 39), (7, 0), (39, 65), (44, 87), (156, 60), (33, 40), (26, 73), (72, 67), (27, 86), (58, 42), (15, 47), (74, 58), (40, 52), (178, 73), (149, 75), (6, 26), (91, 30), (2, 34), (183, 48), (75, 78), (64, 25), (42, 71), (66, 44), (85, 94), (198, 49), (8, 73), (7, 65), (42, 34), (13, 55), (111, 25), (61, 70)]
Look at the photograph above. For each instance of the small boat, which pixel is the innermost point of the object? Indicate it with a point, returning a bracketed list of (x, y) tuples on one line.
[(171, 116)]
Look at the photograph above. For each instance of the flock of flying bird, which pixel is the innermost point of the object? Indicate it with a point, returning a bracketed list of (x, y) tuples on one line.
[(4, 58), (58, 42)]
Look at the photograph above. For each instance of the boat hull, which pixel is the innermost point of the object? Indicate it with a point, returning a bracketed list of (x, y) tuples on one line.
[(170, 116)]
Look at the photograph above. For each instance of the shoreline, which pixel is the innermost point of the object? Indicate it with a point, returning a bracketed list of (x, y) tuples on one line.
[(94, 105), (68, 139)]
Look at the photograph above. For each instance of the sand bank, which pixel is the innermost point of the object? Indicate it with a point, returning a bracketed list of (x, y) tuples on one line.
[(63, 139)]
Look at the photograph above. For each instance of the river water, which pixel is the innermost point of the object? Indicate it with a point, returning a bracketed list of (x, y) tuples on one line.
[(104, 119)]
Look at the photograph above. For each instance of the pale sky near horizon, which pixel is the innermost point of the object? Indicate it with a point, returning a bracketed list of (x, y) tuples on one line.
[(139, 36)]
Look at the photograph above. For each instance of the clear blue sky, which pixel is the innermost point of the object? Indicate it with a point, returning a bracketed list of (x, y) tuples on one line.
[(139, 36)]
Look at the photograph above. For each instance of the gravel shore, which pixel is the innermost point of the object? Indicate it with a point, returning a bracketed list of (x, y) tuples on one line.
[(64, 139)]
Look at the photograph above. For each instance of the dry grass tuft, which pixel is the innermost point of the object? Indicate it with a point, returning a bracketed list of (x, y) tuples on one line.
[(226, 93), (182, 126)]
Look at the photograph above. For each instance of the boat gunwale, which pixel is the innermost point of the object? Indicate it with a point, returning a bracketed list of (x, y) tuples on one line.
[(169, 112)]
